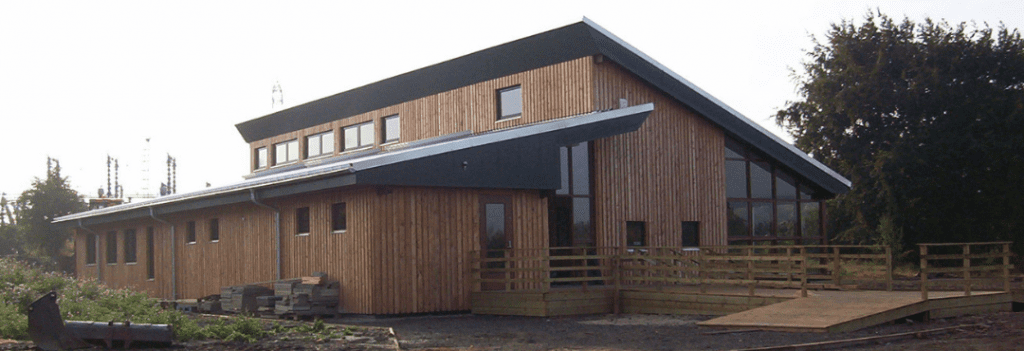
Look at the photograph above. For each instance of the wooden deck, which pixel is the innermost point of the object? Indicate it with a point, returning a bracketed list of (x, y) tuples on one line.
[(843, 311)]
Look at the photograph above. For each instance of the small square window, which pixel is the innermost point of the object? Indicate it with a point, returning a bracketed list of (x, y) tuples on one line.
[(510, 102), (214, 230), (691, 234), (302, 221), (286, 152), (190, 232), (111, 247), (261, 158), (320, 145), (636, 233), (358, 136), (338, 218), (129, 246), (392, 129)]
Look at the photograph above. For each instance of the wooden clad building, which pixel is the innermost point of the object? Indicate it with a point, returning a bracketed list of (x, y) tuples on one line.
[(570, 137)]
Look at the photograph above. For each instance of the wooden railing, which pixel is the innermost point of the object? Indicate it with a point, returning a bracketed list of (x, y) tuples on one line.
[(749, 266), (969, 261)]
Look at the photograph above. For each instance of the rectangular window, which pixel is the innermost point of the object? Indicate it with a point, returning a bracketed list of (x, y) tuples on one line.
[(691, 234), (214, 230), (261, 158), (338, 218), (320, 145), (111, 247), (739, 219), (190, 232), (810, 219), (636, 233), (763, 220), (90, 249), (392, 129), (129, 246), (302, 221), (286, 152), (358, 136), (510, 102), (150, 261), (785, 219)]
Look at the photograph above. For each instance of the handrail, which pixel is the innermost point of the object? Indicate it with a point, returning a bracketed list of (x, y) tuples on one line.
[(966, 266)]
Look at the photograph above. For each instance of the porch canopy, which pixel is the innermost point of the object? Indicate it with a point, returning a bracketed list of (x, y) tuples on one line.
[(524, 157)]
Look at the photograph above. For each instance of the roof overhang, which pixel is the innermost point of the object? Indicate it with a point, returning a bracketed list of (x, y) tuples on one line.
[(524, 157)]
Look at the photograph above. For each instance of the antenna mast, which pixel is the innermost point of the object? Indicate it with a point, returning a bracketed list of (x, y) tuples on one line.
[(145, 169), (276, 96)]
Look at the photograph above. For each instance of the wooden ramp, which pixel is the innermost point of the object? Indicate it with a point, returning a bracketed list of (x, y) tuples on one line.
[(843, 311)]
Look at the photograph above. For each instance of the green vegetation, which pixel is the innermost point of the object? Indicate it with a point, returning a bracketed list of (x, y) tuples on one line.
[(87, 300), (925, 119)]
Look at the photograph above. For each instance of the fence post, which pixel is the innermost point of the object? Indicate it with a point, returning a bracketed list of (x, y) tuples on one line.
[(702, 274), (924, 272), (547, 272), (750, 270), (837, 279), (967, 270), (1006, 267), (508, 270), (803, 267), (616, 272), (789, 266), (888, 268)]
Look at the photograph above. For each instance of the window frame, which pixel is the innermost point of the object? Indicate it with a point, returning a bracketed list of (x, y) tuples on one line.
[(384, 129), (111, 250), (501, 116), (302, 220), (190, 233), (134, 249), (288, 152), (257, 158), (359, 136), (213, 230), (696, 234), (150, 252), (631, 226), (319, 140), (334, 218), (92, 247)]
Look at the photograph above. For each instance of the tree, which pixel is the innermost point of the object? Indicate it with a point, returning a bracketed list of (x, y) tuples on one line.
[(48, 199), (10, 232), (926, 119)]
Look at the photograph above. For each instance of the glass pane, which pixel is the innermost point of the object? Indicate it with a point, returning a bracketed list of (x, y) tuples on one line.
[(327, 143), (280, 153), (733, 149), (785, 186), (338, 220), (351, 137), (580, 169), (511, 102), (366, 134), (293, 150), (762, 218), (636, 234), (313, 146), (261, 157), (810, 219), (563, 154), (391, 129), (738, 219), (581, 221), (786, 212), (736, 179), (495, 226), (691, 234), (760, 180), (806, 193)]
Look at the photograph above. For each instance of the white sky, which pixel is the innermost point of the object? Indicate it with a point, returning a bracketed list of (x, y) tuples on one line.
[(83, 79)]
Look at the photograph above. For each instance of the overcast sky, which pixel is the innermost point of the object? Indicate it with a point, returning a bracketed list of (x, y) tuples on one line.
[(83, 79)]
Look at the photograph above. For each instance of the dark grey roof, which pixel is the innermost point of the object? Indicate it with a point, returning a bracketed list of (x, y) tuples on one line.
[(524, 157), (555, 46)]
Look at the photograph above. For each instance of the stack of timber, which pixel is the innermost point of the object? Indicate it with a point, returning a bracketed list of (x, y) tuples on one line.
[(210, 304), (312, 296), (242, 298)]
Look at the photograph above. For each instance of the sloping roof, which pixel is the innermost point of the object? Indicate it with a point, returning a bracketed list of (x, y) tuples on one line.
[(576, 40), (523, 157)]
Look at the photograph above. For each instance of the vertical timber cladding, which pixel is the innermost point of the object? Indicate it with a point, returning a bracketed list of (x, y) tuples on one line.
[(123, 274), (550, 92), (670, 170)]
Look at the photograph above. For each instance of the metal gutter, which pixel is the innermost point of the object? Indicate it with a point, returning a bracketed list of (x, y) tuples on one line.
[(277, 230), (174, 255), (97, 248)]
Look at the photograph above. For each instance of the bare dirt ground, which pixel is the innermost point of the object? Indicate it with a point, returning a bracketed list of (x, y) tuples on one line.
[(1002, 331)]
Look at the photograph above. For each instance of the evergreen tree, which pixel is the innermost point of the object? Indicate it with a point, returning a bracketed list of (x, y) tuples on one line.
[(48, 199)]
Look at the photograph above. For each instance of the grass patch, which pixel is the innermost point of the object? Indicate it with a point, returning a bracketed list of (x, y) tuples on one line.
[(89, 300)]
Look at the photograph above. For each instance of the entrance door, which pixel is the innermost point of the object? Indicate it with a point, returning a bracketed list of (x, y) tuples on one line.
[(495, 238)]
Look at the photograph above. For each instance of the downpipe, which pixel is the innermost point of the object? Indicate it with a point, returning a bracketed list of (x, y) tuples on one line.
[(277, 229), (99, 277), (174, 255)]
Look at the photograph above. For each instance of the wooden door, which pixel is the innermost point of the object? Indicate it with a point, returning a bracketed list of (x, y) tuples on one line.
[(495, 240)]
